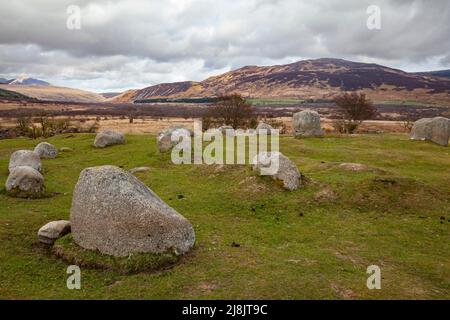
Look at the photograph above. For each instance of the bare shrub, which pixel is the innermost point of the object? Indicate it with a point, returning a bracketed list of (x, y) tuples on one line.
[(231, 110), (353, 109), (45, 125), (93, 127), (23, 126), (277, 124)]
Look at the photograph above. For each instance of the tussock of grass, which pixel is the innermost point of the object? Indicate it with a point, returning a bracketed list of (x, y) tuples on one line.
[(394, 194), (66, 249)]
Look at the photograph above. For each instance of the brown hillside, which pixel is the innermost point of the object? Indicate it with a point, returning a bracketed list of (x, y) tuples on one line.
[(309, 79)]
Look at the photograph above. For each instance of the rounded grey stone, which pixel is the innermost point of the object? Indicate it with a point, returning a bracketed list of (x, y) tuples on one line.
[(436, 130), (264, 128), (26, 158), (307, 124), (287, 172), (53, 230), (46, 150), (25, 182), (108, 138), (164, 138)]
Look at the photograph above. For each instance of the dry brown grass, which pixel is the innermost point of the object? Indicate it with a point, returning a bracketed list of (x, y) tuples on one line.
[(149, 125)]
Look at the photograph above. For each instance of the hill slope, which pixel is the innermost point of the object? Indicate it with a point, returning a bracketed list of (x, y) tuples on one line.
[(53, 93), (439, 73), (11, 95), (308, 79)]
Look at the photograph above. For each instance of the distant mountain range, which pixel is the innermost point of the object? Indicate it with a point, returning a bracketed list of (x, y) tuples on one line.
[(4, 81), (26, 81), (308, 79), (42, 90), (319, 79)]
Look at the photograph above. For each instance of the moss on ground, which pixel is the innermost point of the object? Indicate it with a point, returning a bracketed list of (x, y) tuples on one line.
[(66, 249)]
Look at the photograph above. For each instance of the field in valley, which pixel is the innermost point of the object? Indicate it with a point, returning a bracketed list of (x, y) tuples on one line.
[(254, 239)]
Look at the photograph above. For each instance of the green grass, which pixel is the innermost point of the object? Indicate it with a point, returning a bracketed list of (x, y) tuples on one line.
[(293, 245)]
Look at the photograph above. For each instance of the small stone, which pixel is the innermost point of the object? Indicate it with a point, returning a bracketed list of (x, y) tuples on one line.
[(227, 130), (54, 230), (139, 169), (46, 150), (264, 128), (164, 138), (279, 167), (108, 138), (357, 167)]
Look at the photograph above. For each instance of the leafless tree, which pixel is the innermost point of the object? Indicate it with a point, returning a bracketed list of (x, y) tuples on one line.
[(354, 108), (232, 110)]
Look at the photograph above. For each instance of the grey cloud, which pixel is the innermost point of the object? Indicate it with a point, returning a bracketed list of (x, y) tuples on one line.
[(137, 43)]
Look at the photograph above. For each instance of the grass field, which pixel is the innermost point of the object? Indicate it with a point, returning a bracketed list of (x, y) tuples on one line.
[(313, 243)]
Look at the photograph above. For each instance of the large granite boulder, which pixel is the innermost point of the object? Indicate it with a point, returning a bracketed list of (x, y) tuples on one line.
[(279, 167), (46, 150), (53, 230), (164, 138), (115, 213), (307, 124), (108, 138), (26, 158), (433, 129), (25, 182)]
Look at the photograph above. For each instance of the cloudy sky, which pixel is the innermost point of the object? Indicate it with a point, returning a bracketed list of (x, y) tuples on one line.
[(125, 44)]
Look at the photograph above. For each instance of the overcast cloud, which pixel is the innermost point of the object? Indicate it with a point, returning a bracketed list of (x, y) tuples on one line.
[(136, 43)]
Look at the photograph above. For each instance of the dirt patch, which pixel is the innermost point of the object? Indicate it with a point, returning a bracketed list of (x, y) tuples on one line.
[(252, 184), (353, 259), (356, 167), (325, 195), (343, 292)]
